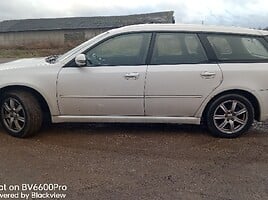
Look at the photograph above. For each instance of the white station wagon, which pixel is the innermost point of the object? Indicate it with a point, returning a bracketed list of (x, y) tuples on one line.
[(149, 73)]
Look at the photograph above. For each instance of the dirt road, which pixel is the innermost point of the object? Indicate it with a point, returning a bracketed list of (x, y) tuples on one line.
[(135, 161), (114, 161)]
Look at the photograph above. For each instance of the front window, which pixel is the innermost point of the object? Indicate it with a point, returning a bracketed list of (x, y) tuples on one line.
[(237, 48), (128, 49)]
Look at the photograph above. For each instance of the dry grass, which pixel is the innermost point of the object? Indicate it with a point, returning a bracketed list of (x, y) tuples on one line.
[(26, 53), (36, 50)]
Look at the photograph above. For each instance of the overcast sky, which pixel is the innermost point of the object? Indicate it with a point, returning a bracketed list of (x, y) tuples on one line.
[(246, 13)]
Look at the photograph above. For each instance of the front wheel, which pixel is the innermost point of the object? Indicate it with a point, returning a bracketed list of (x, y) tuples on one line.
[(21, 115), (230, 116)]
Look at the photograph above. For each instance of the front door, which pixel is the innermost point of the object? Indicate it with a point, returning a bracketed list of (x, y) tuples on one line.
[(113, 81)]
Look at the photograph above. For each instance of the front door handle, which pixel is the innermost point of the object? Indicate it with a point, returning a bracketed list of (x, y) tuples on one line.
[(208, 75), (132, 76)]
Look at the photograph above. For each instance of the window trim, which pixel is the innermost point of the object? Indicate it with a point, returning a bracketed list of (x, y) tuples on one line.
[(208, 48), (151, 49), (73, 64), (264, 41), (258, 37), (202, 35), (266, 38)]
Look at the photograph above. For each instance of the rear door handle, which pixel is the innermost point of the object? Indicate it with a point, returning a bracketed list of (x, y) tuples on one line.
[(208, 75), (132, 76)]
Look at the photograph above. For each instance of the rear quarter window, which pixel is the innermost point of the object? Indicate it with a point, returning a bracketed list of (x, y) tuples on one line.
[(238, 48)]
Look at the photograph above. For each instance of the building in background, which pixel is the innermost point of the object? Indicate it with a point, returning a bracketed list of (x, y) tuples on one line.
[(67, 32)]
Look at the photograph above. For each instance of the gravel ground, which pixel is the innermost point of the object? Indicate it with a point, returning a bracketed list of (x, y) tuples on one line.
[(136, 161)]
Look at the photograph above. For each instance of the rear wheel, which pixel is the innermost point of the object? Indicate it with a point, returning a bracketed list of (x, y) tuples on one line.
[(21, 114), (230, 116)]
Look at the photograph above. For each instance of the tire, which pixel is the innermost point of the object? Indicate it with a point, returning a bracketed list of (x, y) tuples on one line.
[(230, 116), (21, 114)]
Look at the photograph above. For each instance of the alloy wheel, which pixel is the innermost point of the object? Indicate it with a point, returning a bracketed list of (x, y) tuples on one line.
[(230, 116), (13, 115)]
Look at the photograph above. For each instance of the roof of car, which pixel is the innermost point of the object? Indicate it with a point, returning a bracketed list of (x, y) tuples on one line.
[(191, 28)]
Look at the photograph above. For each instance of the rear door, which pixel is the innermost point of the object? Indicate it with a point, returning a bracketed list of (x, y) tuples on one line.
[(179, 76)]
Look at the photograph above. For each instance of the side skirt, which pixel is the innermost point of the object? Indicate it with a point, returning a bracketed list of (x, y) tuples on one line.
[(126, 119)]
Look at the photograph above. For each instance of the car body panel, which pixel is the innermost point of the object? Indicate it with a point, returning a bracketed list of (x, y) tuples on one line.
[(101, 90), (178, 90), (35, 74), (249, 77), (126, 119)]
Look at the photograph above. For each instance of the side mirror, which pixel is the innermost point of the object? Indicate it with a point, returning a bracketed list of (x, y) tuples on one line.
[(81, 60)]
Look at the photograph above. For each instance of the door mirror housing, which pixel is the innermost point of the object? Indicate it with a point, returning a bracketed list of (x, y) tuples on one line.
[(81, 60)]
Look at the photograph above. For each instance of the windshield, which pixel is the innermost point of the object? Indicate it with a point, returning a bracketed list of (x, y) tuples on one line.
[(81, 46)]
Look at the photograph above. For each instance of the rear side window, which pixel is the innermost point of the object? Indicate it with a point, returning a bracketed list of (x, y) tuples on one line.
[(177, 48), (238, 48)]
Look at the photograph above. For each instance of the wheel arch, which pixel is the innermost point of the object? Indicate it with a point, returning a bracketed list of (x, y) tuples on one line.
[(251, 97), (40, 98)]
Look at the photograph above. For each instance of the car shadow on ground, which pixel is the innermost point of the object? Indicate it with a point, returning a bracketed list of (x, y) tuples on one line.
[(124, 128), (77, 130)]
